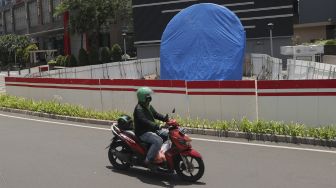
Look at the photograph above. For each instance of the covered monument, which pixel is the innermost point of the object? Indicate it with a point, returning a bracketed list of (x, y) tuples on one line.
[(203, 42)]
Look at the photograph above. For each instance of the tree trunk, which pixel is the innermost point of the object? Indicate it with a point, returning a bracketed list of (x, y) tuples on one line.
[(82, 40)]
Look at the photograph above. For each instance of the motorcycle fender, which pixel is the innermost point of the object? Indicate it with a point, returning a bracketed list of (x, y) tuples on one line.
[(192, 153), (112, 141)]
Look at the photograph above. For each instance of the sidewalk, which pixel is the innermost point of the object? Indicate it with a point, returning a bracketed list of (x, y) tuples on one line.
[(2, 82)]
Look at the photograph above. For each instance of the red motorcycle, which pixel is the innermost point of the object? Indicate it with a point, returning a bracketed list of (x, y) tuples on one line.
[(177, 155)]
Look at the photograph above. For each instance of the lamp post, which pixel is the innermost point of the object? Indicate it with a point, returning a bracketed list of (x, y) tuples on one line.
[(125, 54), (270, 26)]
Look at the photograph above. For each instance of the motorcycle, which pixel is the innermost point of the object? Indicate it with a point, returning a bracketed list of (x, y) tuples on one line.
[(177, 155)]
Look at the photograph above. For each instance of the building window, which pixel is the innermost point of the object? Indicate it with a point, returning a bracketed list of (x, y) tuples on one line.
[(8, 21), (1, 25), (45, 11), (33, 17), (20, 18)]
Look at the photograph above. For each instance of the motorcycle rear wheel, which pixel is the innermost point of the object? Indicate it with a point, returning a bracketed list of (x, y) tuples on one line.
[(195, 171), (114, 160)]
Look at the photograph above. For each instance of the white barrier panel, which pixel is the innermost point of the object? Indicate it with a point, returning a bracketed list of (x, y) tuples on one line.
[(217, 100), (304, 70), (101, 94), (135, 69), (75, 91), (167, 95), (266, 67), (311, 102)]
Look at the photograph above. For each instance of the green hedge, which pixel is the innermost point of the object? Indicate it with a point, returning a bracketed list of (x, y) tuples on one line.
[(116, 52), (264, 127), (54, 107), (244, 125), (105, 55)]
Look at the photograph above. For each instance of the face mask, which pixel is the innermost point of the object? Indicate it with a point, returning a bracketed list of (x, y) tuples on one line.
[(148, 99)]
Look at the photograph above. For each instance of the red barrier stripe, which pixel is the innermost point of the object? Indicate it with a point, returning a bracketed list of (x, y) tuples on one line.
[(221, 93), (246, 84), (149, 83), (118, 89), (53, 81), (169, 91), (88, 88), (54, 87), (297, 94), (123, 82), (296, 84)]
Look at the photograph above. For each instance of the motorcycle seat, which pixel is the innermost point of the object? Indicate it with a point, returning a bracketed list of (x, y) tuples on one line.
[(132, 135)]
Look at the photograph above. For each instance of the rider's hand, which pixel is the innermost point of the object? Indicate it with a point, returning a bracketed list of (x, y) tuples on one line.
[(163, 126), (166, 118)]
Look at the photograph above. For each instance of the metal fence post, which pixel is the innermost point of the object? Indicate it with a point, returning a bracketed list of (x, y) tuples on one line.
[(91, 71)]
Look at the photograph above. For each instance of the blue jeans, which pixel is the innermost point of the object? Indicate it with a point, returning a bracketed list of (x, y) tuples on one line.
[(163, 133), (155, 141)]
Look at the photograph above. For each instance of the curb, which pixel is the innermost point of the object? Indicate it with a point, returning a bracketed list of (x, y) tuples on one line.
[(58, 117), (264, 137), (210, 132)]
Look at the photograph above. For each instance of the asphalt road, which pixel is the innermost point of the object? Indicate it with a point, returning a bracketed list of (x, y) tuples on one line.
[(59, 154)]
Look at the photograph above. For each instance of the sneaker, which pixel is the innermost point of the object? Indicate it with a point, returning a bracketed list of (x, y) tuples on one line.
[(152, 167)]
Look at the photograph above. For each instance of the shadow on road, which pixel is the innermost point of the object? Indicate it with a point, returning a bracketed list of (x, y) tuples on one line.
[(154, 178)]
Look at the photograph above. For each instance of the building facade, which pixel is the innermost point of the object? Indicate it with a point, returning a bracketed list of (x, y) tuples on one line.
[(34, 18), (315, 20), (152, 16)]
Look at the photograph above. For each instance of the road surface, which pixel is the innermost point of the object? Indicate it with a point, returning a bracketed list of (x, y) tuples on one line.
[(44, 153)]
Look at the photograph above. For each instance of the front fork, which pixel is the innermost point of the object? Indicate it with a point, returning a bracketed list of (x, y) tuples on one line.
[(114, 139), (189, 166)]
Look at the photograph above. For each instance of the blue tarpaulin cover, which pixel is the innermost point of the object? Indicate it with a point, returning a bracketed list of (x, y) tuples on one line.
[(203, 42)]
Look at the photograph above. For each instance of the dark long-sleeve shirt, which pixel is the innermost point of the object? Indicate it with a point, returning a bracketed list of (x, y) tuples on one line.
[(144, 119)]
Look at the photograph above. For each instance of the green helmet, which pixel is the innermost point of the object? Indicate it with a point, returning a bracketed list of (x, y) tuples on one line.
[(144, 94), (125, 122)]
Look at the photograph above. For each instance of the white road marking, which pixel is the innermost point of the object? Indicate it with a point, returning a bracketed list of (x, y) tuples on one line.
[(267, 146), (53, 122), (194, 138)]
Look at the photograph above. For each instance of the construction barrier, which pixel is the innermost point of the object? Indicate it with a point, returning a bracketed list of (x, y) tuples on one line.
[(306, 101)]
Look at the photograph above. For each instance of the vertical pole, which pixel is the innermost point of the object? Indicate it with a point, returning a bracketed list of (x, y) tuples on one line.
[(67, 49), (101, 95), (256, 95), (91, 71), (124, 35), (15, 62), (27, 17), (271, 40)]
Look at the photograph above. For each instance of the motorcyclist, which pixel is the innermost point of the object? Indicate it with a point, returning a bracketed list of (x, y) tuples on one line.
[(145, 126)]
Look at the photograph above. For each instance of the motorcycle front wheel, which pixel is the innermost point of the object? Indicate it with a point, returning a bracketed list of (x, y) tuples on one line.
[(114, 160), (191, 172)]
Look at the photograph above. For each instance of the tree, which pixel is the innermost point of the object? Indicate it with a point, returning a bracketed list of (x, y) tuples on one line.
[(88, 16), (83, 58), (94, 57), (116, 52), (12, 47), (105, 55), (82, 15), (72, 61), (27, 50)]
